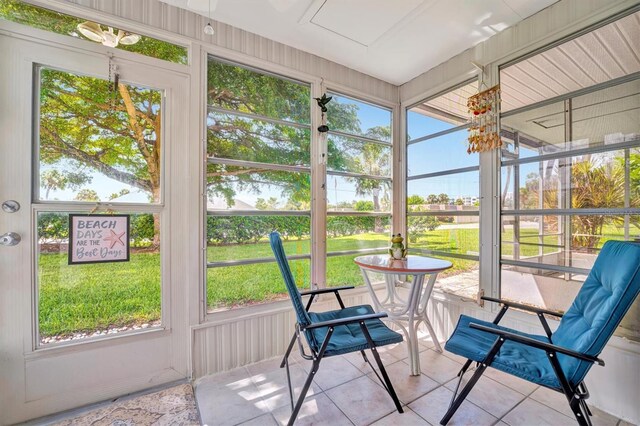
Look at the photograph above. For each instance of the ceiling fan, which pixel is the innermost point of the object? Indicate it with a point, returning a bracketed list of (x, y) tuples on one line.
[(108, 37)]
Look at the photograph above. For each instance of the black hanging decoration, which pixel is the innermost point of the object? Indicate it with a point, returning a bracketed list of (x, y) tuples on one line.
[(322, 103)]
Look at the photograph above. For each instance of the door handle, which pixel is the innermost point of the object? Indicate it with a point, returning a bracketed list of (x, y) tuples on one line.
[(10, 239)]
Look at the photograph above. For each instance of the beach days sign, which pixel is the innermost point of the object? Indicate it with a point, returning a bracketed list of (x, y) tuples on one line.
[(98, 238)]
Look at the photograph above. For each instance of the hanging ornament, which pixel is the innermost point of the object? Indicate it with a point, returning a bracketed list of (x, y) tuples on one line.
[(484, 109), (322, 103)]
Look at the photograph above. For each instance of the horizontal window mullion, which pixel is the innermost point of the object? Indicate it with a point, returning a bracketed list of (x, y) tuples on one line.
[(356, 251), (360, 138), (258, 213), (102, 208), (444, 253), (358, 213), (357, 175), (438, 134), (555, 268), (445, 172), (257, 165), (576, 152), (445, 213), (259, 117), (575, 212), (224, 263)]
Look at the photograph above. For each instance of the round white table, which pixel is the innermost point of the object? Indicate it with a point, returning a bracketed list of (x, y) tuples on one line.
[(412, 309)]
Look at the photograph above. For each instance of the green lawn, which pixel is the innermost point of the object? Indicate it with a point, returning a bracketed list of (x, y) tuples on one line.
[(98, 296)]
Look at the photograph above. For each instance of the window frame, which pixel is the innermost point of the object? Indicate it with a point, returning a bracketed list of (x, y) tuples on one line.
[(460, 170), (566, 213)]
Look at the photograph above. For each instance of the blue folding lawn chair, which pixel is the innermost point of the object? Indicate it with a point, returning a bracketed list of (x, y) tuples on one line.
[(558, 360)]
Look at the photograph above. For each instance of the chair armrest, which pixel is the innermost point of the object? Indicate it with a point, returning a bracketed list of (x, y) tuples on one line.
[(523, 307), (326, 290), (347, 320), (548, 347)]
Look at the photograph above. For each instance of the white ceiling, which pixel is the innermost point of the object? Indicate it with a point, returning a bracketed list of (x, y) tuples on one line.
[(394, 40)]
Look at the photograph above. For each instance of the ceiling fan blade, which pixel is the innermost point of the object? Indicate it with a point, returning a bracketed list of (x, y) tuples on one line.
[(130, 39), (92, 31)]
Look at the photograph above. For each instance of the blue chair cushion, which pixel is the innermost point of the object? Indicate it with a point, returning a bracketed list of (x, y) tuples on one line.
[(514, 358), (349, 338), (605, 297)]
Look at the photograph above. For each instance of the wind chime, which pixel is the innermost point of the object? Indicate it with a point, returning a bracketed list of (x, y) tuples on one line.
[(484, 109)]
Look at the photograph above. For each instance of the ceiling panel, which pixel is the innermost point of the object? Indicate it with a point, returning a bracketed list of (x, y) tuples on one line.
[(606, 53), (363, 21)]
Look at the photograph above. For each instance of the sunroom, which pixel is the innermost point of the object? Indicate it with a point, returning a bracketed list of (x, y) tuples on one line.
[(450, 188)]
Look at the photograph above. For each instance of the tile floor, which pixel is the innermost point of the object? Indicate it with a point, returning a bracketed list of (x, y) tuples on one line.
[(345, 392)]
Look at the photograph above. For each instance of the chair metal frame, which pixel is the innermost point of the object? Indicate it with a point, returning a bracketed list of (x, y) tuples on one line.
[(316, 357), (575, 395)]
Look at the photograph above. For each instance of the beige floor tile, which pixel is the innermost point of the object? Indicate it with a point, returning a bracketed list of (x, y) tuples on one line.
[(438, 367), (229, 398), (433, 406), (601, 418), (515, 383), (273, 388), (264, 420), (407, 387), (362, 400), (491, 396), (408, 418), (456, 358), (553, 399), (316, 410), (333, 371), (356, 359), (531, 412)]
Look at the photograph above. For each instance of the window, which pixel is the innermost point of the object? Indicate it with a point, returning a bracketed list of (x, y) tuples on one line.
[(358, 185), (443, 188), (258, 179), (44, 19), (569, 164), (95, 144)]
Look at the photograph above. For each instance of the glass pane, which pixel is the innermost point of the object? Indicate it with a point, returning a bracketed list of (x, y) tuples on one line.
[(96, 144), (247, 237), (341, 270), (358, 194), (237, 88), (241, 138), (535, 132), (459, 191), (454, 234), (543, 239), (596, 181), (90, 300), (441, 113), (463, 279), (352, 116), (234, 286), (241, 188), (37, 17), (442, 153), (539, 287), (355, 156), (357, 232), (610, 115)]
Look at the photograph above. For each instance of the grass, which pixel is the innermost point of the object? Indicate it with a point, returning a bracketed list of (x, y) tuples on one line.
[(99, 296)]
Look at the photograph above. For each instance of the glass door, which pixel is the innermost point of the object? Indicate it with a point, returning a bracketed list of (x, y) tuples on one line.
[(89, 309)]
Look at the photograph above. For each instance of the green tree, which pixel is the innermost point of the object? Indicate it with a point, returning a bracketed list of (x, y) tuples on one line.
[(87, 195), (270, 204), (432, 199), (443, 198), (459, 202), (53, 179), (415, 200)]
